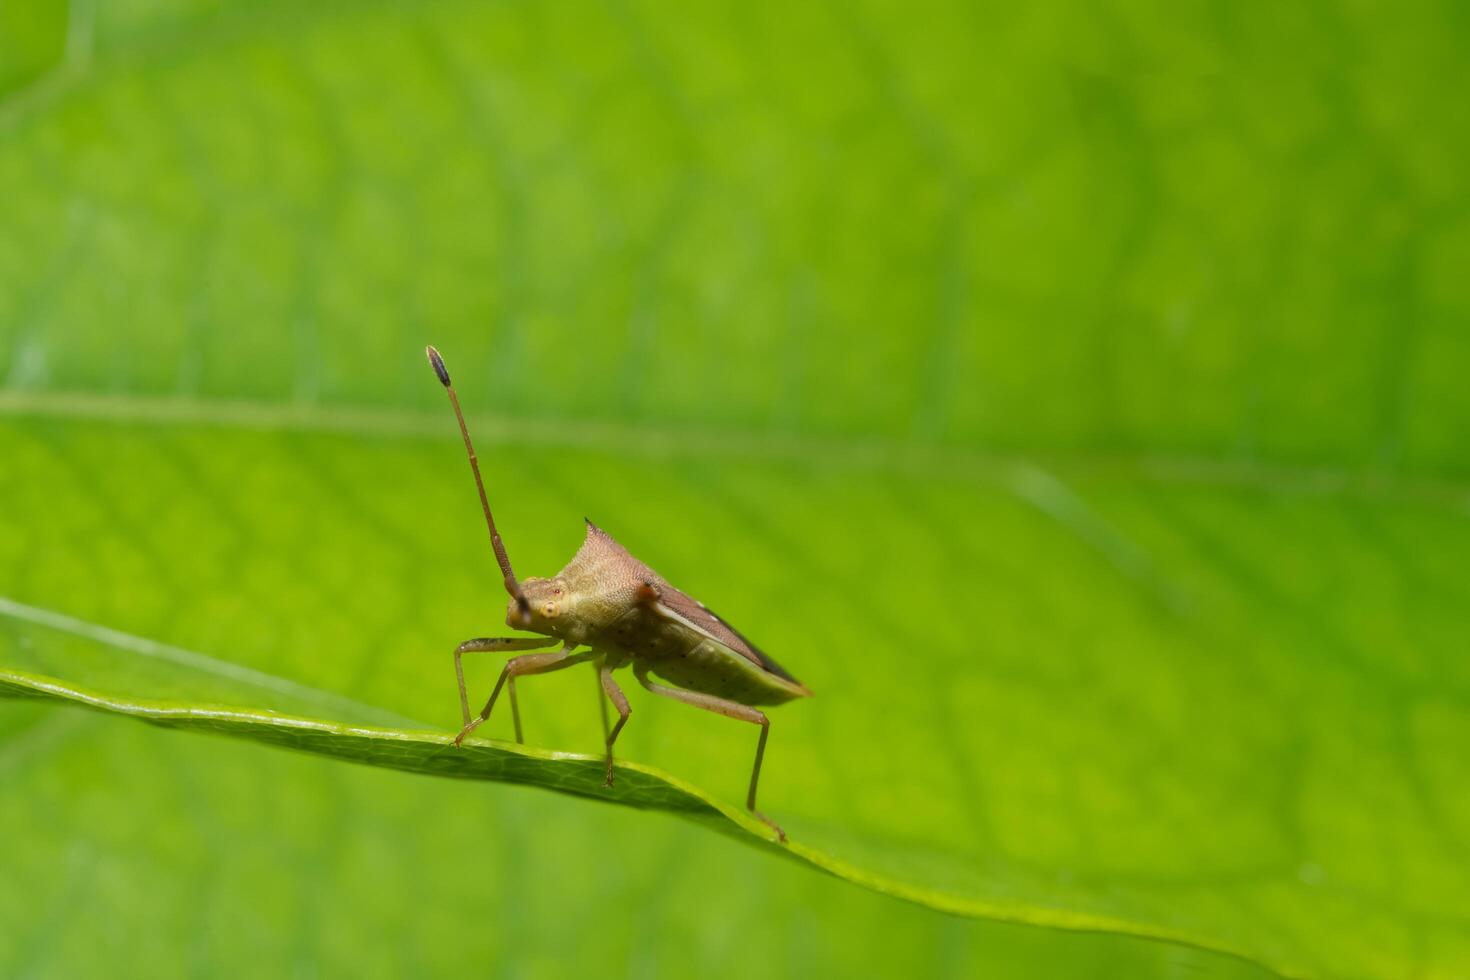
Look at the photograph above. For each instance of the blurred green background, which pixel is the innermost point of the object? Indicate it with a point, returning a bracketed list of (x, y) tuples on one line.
[(1073, 396)]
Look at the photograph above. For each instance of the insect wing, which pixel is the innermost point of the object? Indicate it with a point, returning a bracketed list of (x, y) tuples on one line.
[(677, 606)]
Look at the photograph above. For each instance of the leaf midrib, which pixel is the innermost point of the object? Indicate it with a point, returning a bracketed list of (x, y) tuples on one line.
[(829, 451)]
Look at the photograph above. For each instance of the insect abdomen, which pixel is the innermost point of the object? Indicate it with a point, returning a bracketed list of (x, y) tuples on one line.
[(712, 668)]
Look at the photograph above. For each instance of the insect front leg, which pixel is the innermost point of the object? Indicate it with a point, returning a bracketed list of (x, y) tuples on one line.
[(531, 663), (492, 644), (730, 709), (604, 674)]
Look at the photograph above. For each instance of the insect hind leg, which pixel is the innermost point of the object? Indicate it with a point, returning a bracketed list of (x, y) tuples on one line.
[(730, 709)]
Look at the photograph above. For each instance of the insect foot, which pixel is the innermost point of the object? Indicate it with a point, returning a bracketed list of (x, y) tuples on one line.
[(465, 731), (780, 834)]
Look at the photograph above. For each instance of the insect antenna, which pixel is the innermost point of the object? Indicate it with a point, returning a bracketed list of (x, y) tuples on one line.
[(511, 585)]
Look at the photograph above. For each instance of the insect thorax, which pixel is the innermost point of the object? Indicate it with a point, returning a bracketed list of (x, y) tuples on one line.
[(602, 584)]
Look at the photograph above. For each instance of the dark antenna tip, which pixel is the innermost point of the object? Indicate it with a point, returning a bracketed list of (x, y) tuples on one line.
[(438, 363)]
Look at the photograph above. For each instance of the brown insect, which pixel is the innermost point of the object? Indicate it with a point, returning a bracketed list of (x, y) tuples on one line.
[(624, 613)]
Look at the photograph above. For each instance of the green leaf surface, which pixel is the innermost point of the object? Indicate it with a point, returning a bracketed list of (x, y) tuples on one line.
[(422, 752), (1072, 398), (432, 753)]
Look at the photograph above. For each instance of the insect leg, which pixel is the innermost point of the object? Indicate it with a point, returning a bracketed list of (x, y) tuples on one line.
[(730, 709), (604, 674), (490, 644), (530, 663), (601, 701)]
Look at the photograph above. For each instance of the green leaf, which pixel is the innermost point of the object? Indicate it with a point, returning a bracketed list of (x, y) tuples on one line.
[(1072, 399), (431, 753), (424, 752)]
